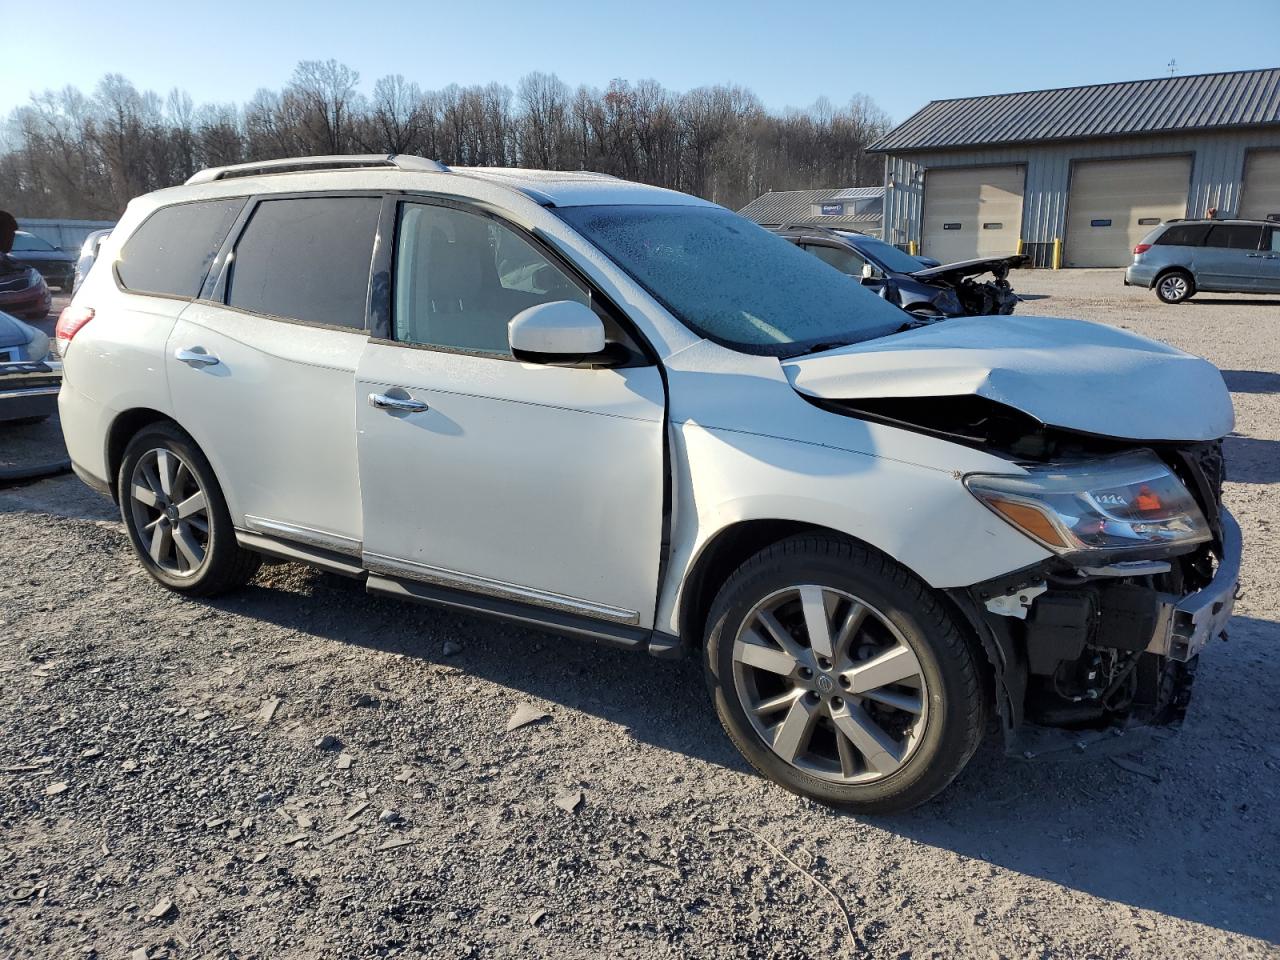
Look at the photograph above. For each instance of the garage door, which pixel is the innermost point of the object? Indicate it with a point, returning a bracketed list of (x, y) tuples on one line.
[(972, 213), (1115, 203), (1261, 196)]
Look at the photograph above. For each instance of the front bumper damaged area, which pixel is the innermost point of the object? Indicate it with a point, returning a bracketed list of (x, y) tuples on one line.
[(1096, 659)]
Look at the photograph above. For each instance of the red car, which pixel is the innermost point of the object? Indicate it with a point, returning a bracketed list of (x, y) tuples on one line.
[(23, 291)]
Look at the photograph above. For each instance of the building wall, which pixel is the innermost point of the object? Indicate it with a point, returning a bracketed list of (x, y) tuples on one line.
[(68, 234), (1217, 173)]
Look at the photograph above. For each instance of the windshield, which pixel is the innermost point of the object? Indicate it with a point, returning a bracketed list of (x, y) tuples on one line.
[(734, 282), (29, 241), (889, 256)]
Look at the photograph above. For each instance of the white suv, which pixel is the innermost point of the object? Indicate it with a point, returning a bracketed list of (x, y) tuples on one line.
[(628, 414)]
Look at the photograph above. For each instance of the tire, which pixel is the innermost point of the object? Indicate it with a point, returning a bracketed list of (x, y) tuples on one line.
[(926, 735), (1175, 286), (161, 474)]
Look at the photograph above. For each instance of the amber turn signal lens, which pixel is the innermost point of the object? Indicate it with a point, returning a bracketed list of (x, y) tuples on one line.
[(1030, 520)]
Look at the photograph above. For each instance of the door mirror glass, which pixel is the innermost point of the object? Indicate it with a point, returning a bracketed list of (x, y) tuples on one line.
[(560, 331), (869, 273)]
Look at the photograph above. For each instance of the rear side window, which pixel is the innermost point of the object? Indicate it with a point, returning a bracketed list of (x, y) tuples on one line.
[(1184, 235), (171, 252), (1234, 236), (307, 258)]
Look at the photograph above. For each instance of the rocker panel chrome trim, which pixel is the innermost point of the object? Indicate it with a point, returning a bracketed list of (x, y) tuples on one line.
[(396, 567), (308, 535)]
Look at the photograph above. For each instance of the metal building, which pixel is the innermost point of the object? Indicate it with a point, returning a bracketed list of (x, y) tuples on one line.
[(853, 208), (1076, 176)]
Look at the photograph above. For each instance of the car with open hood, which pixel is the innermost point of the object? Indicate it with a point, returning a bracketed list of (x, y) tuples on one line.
[(630, 415), (919, 285)]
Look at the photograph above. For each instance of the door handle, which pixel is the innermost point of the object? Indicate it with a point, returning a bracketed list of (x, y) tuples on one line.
[(1254, 256), (196, 357), (383, 402)]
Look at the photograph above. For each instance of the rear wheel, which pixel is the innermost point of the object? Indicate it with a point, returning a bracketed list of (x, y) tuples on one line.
[(1175, 286), (842, 677), (176, 516)]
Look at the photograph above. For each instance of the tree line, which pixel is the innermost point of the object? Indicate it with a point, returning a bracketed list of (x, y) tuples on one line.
[(68, 154)]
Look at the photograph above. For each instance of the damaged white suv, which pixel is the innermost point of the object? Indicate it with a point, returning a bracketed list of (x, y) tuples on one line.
[(628, 414)]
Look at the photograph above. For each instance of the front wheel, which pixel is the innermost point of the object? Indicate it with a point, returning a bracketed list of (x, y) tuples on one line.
[(176, 516), (842, 677)]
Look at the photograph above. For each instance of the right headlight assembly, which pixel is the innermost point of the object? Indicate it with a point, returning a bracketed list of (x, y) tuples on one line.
[(1130, 502)]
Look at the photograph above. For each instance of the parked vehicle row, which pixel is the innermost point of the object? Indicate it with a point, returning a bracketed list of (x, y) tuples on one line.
[(631, 415), (1182, 257), (23, 291)]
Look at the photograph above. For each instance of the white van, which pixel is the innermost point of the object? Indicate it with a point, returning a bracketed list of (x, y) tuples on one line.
[(628, 414)]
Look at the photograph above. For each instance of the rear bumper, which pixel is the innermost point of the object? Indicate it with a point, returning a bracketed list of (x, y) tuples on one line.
[(1140, 275)]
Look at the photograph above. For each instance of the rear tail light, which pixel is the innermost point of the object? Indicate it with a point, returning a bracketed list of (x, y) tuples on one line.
[(1141, 248), (70, 320)]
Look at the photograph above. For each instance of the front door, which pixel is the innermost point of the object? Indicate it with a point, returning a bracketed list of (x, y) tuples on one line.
[(531, 483), (263, 380)]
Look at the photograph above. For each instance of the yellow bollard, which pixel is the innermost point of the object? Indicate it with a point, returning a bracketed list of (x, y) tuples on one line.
[(911, 247), (1057, 253)]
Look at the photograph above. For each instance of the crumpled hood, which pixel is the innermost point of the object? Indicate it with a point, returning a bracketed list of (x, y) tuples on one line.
[(13, 332), (1072, 374)]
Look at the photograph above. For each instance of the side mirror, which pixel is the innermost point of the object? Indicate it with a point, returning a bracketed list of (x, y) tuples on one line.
[(563, 331), (868, 272)]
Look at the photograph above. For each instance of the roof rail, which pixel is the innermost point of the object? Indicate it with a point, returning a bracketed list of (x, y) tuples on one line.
[(399, 161)]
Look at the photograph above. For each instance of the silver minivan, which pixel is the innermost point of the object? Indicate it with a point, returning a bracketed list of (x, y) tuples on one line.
[(1182, 257)]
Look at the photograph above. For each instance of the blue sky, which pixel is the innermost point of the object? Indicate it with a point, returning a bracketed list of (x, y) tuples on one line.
[(788, 53)]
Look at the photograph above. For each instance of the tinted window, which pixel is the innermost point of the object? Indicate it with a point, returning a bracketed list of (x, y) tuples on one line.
[(172, 250), (307, 259), (890, 257), (733, 282), (1234, 236), (1184, 235), (1275, 239), (29, 241), (843, 260), (460, 278)]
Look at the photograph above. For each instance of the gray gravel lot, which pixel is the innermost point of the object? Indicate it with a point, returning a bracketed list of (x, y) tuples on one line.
[(301, 770)]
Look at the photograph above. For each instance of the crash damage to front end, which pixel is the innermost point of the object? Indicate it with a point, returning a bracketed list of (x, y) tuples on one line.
[(1116, 468)]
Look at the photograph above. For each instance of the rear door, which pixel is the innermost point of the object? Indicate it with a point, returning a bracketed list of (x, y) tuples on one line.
[(261, 370), (535, 484), (1231, 259)]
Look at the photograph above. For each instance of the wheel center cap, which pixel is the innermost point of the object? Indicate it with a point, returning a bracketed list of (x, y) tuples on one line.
[(825, 684), (172, 513)]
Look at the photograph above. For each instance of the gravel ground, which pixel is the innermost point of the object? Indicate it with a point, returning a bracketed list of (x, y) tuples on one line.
[(301, 770)]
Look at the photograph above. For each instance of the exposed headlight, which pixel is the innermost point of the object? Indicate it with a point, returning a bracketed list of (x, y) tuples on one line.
[(1117, 504)]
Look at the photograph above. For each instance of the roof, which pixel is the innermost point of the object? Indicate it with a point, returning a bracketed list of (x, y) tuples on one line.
[(561, 188), (1206, 101), (795, 206)]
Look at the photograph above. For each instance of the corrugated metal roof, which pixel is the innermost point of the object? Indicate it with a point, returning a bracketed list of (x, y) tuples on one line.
[(795, 206), (1201, 102)]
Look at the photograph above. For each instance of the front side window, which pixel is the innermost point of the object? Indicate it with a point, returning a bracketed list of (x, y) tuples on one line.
[(1234, 236), (893, 259), (732, 281), (461, 277), (846, 261), (171, 252), (307, 258)]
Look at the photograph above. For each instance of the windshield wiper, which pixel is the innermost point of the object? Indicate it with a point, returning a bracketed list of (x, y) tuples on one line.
[(820, 347)]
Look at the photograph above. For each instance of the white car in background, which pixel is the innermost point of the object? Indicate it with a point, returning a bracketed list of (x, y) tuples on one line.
[(88, 254), (631, 415)]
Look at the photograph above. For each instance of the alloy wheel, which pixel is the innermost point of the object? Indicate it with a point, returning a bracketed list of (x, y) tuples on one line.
[(829, 684), (170, 512), (1174, 287)]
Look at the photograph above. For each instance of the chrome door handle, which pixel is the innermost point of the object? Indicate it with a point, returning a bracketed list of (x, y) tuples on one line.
[(383, 402), (196, 357)]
